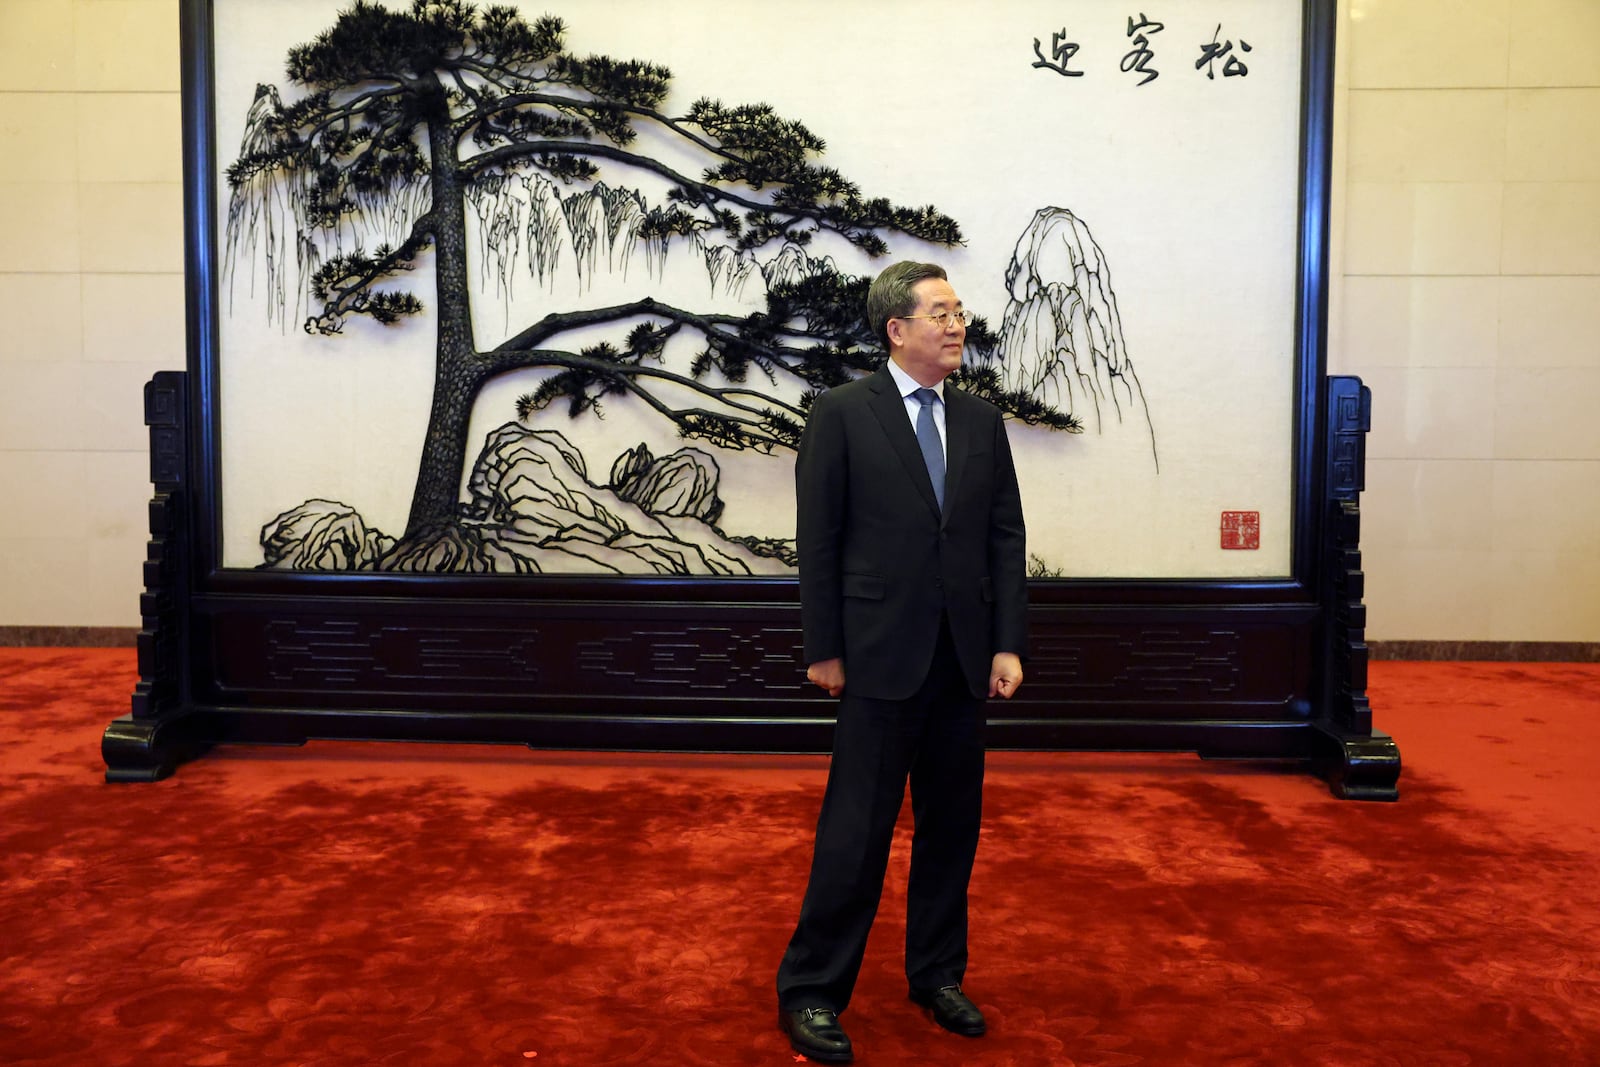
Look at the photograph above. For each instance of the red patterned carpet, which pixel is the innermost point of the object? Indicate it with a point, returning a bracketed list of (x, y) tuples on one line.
[(433, 905)]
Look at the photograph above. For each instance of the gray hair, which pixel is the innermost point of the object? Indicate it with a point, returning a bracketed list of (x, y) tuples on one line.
[(890, 296)]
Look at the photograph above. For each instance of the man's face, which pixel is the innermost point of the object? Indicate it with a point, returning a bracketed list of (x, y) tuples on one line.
[(924, 349)]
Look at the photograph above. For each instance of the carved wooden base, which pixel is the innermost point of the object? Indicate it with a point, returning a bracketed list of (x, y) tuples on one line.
[(148, 749), (1360, 766)]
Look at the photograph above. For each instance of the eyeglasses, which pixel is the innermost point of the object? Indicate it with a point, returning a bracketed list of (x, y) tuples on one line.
[(945, 319)]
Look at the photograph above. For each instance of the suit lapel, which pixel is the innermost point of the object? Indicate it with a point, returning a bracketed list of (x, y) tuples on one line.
[(890, 409)]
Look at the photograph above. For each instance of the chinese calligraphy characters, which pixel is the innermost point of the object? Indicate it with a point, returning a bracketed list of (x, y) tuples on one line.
[(1141, 57), (1210, 53), (1061, 51)]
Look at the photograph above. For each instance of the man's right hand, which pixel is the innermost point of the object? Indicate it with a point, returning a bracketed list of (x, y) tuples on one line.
[(827, 674)]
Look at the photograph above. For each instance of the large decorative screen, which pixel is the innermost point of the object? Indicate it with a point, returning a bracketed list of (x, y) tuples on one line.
[(547, 288)]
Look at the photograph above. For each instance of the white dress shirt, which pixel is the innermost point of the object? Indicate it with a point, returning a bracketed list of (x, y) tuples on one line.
[(908, 385)]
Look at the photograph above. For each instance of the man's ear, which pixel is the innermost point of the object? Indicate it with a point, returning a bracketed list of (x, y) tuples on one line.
[(895, 331)]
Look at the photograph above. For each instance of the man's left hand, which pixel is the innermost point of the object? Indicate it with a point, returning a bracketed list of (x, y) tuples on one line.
[(1005, 674)]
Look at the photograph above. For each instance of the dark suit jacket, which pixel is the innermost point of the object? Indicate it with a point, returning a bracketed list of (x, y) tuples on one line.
[(878, 564)]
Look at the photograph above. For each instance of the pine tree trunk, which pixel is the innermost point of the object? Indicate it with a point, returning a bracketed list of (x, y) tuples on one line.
[(457, 376)]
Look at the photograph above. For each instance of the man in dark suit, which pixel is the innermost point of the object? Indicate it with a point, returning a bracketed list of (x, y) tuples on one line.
[(913, 598)]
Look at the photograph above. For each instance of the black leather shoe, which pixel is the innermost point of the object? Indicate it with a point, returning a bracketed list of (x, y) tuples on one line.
[(952, 1010), (815, 1034)]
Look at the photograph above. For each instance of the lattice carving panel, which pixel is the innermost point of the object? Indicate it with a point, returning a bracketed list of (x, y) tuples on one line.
[(1149, 663), (358, 654), (565, 657), (699, 658)]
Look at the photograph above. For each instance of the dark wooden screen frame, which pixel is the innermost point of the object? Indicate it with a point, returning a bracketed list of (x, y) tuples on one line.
[(1252, 669)]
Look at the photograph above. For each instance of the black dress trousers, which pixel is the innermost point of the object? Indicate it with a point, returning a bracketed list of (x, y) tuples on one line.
[(934, 738)]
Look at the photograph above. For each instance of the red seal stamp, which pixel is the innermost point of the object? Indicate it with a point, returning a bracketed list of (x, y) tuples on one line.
[(1241, 529)]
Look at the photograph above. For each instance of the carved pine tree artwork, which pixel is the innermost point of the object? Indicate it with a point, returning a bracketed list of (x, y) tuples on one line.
[(472, 139)]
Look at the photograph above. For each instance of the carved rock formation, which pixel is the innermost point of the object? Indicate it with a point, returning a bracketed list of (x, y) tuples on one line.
[(730, 270), (529, 220), (599, 218), (322, 535), (684, 483), (792, 264), (1062, 335), (532, 509), (535, 485)]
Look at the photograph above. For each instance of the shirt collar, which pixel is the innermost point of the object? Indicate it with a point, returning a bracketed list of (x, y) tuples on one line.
[(907, 384)]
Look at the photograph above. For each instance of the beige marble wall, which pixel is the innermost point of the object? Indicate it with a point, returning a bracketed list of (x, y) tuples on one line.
[(1469, 262), (91, 296), (1466, 291)]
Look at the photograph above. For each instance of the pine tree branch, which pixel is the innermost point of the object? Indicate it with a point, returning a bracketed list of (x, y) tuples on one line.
[(351, 292), (748, 412), (719, 328), (514, 100), (707, 196)]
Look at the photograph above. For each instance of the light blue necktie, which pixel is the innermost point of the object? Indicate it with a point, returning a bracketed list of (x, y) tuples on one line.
[(928, 440)]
